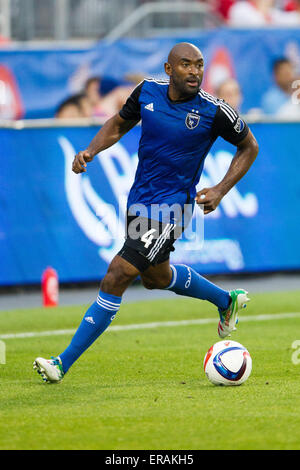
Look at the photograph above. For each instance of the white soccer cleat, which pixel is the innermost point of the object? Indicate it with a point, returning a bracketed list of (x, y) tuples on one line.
[(50, 369), (229, 317)]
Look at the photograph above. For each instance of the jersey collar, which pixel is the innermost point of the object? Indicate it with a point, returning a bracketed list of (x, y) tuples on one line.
[(181, 101)]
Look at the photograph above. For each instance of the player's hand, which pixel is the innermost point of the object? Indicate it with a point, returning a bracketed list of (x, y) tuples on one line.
[(210, 198), (80, 161)]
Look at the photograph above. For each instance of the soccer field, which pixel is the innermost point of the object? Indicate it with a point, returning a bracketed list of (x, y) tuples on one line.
[(143, 387)]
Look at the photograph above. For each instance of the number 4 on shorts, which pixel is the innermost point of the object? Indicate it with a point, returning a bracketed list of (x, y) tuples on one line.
[(148, 237)]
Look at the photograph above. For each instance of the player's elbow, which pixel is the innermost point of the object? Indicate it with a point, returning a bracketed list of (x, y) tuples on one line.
[(254, 147), (250, 146)]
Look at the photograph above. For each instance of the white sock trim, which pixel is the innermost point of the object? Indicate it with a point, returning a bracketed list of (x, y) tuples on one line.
[(174, 277), (107, 305)]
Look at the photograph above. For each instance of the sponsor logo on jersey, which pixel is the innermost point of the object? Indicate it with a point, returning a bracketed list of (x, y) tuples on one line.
[(192, 120)]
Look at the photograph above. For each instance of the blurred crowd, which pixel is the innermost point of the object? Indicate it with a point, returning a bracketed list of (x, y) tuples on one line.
[(258, 13), (94, 101), (97, 101), (276, 101)]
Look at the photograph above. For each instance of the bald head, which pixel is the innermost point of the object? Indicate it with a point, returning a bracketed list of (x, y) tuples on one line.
[(185, 68), (182, 50)]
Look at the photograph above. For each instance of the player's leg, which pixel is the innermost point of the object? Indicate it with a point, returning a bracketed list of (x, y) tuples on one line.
[(183, 280), (158, 276), (98, 317)]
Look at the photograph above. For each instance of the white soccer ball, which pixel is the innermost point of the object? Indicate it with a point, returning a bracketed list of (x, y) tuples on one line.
[(227, 363)]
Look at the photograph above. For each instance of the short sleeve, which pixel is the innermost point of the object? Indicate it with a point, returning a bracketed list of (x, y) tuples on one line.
[(229, 125), (131, 109)]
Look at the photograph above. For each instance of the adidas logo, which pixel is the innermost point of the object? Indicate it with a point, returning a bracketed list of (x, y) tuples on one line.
[(149, 107), (90, 320)]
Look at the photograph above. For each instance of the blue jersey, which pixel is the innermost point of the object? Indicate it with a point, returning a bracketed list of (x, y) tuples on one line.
[(176, 137)]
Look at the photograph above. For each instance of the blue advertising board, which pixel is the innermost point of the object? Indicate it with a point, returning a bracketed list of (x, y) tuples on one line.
[(75, 223)]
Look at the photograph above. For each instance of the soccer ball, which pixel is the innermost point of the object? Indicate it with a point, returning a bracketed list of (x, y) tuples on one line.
[(227, 363)]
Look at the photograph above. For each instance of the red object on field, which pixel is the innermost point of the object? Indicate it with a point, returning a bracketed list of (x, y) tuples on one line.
[(50, 287)]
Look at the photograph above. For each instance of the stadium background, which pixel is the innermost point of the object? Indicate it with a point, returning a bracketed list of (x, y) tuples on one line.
[(50, 217)]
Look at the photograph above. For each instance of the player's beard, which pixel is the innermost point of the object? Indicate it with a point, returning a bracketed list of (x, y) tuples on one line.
[(183, 89)]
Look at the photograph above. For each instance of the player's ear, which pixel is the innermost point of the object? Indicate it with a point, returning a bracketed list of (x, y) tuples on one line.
[(168, 69)]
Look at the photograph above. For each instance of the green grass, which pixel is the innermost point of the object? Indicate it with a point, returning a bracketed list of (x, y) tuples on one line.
[(146, 389)]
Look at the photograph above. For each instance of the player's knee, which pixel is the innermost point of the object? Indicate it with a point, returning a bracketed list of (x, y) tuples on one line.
[(155, 283), (117, 276), (148, 283)]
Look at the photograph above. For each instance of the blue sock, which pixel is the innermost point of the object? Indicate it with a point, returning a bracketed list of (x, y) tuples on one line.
[(97, 318), (186, 281)]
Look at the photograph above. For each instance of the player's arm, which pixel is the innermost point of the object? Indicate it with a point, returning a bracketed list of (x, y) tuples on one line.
[(235, 131), (111, 132)]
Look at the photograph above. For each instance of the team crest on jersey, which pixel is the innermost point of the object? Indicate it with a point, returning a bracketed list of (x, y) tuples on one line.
[(239, 126), (192, 120)]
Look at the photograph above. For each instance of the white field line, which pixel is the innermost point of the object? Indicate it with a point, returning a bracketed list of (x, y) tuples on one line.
[(144, 326)]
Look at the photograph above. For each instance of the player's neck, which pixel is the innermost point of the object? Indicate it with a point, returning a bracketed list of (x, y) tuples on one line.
[(177, 96)]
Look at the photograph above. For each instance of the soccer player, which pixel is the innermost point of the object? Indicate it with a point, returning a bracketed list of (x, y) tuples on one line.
[(180, 122)]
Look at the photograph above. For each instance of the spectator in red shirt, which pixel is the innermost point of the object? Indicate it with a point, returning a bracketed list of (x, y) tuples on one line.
[(222, 7), (291, 5), (260, 13)]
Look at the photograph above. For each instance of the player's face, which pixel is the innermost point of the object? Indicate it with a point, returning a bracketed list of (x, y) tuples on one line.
[(187, 73)]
